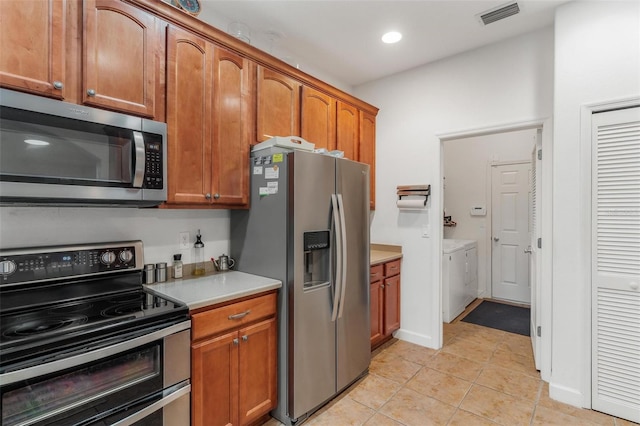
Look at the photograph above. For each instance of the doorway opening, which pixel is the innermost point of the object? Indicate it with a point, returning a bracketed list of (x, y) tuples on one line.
[(471, 163)]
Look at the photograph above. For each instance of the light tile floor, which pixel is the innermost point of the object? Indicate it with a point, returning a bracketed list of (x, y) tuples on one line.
[(481, 376)]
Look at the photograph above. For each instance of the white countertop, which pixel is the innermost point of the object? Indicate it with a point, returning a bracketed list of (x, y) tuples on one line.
[(213, 289)]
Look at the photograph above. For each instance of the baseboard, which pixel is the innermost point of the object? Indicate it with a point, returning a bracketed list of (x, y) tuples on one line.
[(418, 339), (566, 395)]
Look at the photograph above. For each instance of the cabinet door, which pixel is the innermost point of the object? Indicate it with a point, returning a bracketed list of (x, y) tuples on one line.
[(214, 381), (347, 135), (257, 370), (367, 152), (376, 308), (391, 304), (32, 46), (278, 105), (318, 118), (189, 117), (120, 57), (232, 126)]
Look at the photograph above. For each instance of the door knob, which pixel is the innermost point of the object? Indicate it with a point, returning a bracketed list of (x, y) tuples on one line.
[(528, 250), (496, 239)]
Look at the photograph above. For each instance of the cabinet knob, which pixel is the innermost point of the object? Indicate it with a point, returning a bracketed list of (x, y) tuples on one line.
[(216, 195), (235, 341), (496, 239), (245, 338), (58, 85), (382, 286), (389, 284), (91, 92), (207, 196)]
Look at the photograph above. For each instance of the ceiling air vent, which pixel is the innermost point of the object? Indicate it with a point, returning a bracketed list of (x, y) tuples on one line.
[(500, 13)]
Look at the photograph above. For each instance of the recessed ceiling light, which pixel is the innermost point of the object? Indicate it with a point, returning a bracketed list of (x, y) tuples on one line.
[(36, 142), (392, 37)]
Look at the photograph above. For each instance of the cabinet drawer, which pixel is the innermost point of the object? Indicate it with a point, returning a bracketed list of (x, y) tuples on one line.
[(376, 273), (232, 316), (392, 268)]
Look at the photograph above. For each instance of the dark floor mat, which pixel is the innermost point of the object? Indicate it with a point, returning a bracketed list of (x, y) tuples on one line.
[(513, 319)]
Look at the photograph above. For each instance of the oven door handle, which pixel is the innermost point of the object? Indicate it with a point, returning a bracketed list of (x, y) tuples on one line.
[(148, 410), (92, 355)]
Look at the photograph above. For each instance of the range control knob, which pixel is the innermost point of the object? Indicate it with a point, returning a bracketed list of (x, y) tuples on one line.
[(108, 257), (7, 267), (126, 256)]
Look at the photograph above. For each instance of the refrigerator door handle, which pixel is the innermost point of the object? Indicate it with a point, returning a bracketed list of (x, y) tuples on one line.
[(343, 243), (338, 281)]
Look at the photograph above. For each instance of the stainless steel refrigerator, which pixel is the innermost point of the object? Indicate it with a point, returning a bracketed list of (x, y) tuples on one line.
[(308, 226)]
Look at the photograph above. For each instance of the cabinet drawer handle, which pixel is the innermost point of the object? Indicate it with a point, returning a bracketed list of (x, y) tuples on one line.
[(374, 275), (240, 315)]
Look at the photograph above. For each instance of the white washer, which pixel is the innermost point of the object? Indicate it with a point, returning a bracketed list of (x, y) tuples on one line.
[(459, 276)]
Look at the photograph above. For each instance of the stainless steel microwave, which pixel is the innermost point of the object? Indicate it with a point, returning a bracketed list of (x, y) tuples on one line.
[(58, 153)]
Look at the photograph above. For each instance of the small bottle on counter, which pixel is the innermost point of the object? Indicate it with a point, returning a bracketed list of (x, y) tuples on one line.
[(161, 272), (199, 255), (177, 266)]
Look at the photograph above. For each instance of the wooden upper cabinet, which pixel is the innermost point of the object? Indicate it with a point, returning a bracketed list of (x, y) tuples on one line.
[(189, 117), (232, 127), (209, 122), (347, 133), (368, 151), (32, 46), (318, 118), (278, 105), (121, 60)]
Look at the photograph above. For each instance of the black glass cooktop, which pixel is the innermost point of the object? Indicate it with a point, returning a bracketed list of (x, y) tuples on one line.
[(39, 322)]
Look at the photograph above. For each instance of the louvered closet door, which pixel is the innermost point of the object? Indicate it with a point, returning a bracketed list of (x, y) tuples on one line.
[(616, 263)]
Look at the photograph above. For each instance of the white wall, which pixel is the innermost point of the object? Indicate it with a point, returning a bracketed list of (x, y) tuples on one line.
[(597, 57), (507, 82), (467, 180), (157, 228)]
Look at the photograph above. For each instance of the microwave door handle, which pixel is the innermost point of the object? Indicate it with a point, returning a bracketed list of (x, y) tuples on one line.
[(138, 176)]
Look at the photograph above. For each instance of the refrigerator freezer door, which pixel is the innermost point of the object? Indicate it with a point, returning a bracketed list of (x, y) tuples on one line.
[(353, 330), (312, 342)]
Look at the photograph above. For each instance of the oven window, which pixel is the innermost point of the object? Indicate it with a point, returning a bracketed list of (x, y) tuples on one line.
[(42, 148), (34, 401)]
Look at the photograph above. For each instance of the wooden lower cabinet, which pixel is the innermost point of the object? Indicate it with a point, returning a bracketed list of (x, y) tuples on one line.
[(384, 301), (233, 373)]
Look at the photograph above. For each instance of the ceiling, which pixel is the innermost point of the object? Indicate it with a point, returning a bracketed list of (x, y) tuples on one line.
[(341, 38)]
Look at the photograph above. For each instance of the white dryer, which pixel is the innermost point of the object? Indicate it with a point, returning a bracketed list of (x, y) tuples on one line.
[(459, 276)]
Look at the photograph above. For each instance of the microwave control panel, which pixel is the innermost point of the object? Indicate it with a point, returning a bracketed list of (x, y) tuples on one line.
[(153, 165)]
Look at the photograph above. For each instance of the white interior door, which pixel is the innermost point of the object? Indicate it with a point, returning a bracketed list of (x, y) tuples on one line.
[(615, 263), (533, 250), (510, 232)]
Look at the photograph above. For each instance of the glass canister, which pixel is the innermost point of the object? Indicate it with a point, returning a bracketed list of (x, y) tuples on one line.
[(198, 268)]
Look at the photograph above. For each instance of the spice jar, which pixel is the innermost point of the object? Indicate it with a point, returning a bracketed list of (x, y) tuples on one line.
[(161, 272)]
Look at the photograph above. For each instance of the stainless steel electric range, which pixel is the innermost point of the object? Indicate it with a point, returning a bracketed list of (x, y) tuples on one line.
[(83, 343)]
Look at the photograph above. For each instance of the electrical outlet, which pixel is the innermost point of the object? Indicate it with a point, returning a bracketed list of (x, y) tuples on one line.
[(185, 240)]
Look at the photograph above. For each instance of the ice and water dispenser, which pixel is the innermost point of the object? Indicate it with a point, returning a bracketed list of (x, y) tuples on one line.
[(316, 259)]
